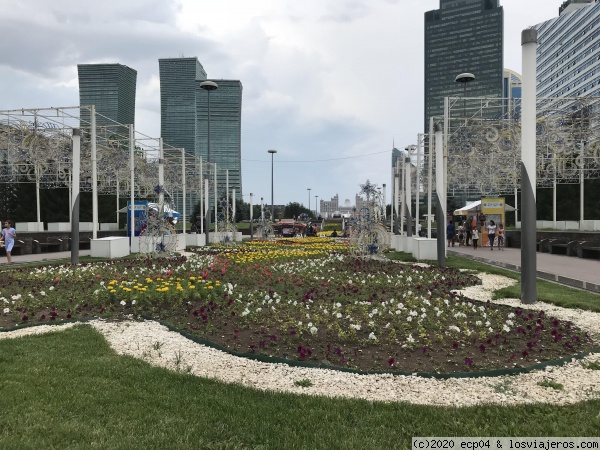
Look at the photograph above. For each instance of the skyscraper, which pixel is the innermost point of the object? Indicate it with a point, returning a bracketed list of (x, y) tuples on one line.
[(178, 121), (462, 36), (225, 131), (111, 88), (568, 52)]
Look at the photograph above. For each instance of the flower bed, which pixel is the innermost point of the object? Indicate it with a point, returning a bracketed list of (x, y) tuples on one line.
[(301, 300)]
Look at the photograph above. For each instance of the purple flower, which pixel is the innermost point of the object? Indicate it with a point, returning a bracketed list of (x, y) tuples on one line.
[(391, 361), (455, 345), (469, 361), (482, 348), (525, 353)]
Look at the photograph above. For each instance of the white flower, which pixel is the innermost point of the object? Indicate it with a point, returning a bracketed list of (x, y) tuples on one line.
[(356, 327), (338, 315), (454, 328), (6, 310), (490, 329), (409, 319), (51, 288), (123, 302), (511, 315), (509, 322), (410, 338), (372, 336), (506, 328), (133, 302), (245, 312), (42, 292), (478, 323), (309, 324), (313, 330)]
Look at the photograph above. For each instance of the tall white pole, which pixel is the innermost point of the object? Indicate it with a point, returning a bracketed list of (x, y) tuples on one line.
[(440, 191), (401, 171), (581, 189), (251, 214), (131, 185), (397, 198), (161, 178), (94, 172), (216, 201), (227, 193), (75, 198), (183, 189), (408, 193), (528, 168), (202, 212), (429, 177), (420, 138)]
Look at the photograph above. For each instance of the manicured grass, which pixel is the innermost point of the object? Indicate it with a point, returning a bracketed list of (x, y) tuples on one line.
[(69, 390)]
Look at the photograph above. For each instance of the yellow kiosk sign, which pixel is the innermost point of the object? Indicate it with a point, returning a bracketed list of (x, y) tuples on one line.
[(492, 208)]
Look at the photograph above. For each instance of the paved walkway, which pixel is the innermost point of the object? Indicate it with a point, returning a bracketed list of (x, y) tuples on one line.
[(570, 270), (41, 257)]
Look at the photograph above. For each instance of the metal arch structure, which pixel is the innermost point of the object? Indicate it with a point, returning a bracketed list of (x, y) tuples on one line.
[(36, 147), (368, 235), (483, 142)]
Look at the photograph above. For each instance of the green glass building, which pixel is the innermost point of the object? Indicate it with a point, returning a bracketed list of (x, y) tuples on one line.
[(178, 78), (111, 88), (462, 36), (225, 132)]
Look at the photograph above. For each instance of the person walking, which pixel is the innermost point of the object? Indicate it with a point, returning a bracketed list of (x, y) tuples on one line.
[(491, 229), (8, 236), (500, 236), (450, 232), (475, 238), (469, 232)]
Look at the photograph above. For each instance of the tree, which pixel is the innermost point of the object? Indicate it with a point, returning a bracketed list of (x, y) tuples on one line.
[(294, 209)]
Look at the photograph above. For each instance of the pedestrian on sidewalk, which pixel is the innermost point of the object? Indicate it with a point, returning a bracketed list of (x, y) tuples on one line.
[(450, 232), (8, 237), (475, 237), (491, 229), (500, 236)]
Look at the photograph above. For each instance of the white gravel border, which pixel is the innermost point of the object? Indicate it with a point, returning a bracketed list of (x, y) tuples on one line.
[(158, 346)]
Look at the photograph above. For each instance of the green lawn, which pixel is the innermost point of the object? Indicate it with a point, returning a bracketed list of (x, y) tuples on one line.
[(69, 390)]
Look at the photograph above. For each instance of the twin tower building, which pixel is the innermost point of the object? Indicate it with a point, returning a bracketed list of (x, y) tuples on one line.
[(184, 109)]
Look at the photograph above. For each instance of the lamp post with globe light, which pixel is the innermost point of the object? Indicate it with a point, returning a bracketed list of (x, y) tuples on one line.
[(272, 152), (208, 86)]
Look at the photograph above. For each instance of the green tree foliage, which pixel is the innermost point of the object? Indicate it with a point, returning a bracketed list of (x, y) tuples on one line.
[(294, 209)]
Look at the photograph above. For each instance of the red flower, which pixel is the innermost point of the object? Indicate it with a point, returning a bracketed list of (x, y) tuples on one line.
[(391, 361)]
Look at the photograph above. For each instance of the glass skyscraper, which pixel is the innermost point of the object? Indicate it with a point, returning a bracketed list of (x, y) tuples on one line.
[(178, 120), (462, 36), (225, 132), (568, 52), (111, 88)]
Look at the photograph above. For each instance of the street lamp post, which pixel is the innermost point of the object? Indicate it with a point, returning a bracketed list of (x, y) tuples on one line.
[(464, 78), (316, 205), (272, 152), (208, 86), (309, 189)]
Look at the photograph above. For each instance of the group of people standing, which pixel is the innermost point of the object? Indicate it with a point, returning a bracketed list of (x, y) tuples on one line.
[(7, 238), (468, 233)]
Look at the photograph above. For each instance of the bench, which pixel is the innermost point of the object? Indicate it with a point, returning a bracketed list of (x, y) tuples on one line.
[(84, 244), (16, 248), (588, 250), (559, 247), (49, 246)]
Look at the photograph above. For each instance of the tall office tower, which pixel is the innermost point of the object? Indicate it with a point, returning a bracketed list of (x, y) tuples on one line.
[(225, 132), (178, 122), (111, 88), (511, 94), (573, 5), (462, 36), (568, 54)]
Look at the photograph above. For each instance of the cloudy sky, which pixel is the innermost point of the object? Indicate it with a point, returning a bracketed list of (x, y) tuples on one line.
[(329, 84)]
